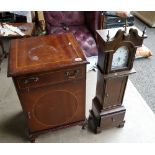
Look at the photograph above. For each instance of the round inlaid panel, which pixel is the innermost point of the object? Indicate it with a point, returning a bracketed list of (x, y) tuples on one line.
[(41, 52), (55, 108)]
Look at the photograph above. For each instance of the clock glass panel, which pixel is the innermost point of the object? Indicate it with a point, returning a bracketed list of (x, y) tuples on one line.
[(120, 58)]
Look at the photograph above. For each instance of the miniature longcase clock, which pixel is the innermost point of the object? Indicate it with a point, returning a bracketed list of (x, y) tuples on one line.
[(116, 55)]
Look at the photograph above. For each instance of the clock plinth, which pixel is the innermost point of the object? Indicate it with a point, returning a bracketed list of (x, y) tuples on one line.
[(103, 119), (115, 62)]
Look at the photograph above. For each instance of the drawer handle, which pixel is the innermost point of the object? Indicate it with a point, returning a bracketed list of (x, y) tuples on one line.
[(72, 75), (113, 119), (107, 95), (31, 79), (29, 115)]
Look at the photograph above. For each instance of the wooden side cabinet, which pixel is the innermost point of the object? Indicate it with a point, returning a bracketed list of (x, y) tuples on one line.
[(49, 74)]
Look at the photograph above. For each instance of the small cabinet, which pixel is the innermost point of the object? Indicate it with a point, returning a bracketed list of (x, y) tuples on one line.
[(49, 73), (53, 105)]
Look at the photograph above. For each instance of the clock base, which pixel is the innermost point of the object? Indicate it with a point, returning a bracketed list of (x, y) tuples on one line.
[(100, 119)]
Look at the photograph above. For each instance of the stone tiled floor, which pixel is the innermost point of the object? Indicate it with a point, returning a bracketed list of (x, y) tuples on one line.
[(139, 126)]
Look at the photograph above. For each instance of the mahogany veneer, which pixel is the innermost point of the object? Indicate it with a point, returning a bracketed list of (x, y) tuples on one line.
[(49, 73)]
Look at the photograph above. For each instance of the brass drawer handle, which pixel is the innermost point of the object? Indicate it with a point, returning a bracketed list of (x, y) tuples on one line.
[(29, 115), (31, 79), (107, 95), (113, 119), (72, 75)]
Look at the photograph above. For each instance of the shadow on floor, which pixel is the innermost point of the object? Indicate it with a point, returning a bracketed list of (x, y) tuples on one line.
[(15, 126)]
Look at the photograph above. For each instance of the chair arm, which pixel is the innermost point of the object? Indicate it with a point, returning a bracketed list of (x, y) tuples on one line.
[(41, 20)]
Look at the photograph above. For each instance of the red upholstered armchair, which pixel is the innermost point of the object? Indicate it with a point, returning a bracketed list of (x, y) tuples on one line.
[(82, 24)]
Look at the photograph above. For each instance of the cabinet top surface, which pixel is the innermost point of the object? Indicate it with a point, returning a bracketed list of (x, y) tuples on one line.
[(44, 53)]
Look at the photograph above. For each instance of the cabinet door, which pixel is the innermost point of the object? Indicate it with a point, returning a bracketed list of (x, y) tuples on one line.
[(54, 105), (114, 91)]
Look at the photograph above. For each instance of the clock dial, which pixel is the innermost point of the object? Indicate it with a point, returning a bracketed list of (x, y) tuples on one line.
[(120, 58)]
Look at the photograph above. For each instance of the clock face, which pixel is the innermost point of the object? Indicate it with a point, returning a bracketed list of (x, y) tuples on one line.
[(120, 58)]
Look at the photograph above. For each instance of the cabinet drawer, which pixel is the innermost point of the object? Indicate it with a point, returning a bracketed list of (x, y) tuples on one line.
[(112, 120), (41, 79)]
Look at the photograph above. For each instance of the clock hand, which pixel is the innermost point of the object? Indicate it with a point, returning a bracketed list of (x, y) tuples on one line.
[(119, 59)]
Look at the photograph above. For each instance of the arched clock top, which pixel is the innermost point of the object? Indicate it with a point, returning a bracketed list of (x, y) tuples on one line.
[(130, 45), (110, 37), (117, 48)]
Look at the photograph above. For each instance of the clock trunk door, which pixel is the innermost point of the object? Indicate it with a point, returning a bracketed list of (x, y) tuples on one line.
[(114, 92)]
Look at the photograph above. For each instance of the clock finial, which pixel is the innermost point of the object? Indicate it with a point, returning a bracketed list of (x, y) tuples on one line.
[(144, 31), (108, 36), (125, 26)]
